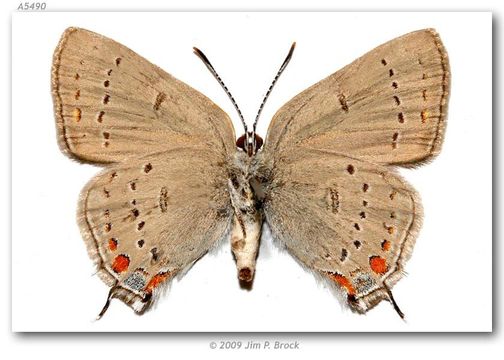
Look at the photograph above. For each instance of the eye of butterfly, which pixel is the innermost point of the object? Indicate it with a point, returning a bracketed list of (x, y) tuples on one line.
[(241, 142), (175, 182)]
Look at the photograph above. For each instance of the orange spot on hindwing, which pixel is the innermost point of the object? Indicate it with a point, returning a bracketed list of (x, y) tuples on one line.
[(157, 280), (385, 245), (121, 263), (378, 264), (112, 244), (343, 282)]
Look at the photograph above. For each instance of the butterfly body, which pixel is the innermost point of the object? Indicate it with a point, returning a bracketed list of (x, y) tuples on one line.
[(248, 216), (175, 181)]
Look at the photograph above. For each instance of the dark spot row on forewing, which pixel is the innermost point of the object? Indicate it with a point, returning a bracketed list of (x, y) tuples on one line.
[(163, 199), (334, 200), (147, 168), (400, 117), (159, 99), (397, 100), (100, 116), (395, 136), (343, 102)]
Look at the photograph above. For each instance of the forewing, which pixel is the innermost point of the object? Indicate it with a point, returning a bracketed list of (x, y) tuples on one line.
[(150, 218), (349, 220), (111, 103), (388, 106)]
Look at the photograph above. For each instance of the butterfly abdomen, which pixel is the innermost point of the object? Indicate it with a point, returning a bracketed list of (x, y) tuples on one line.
[(247, 218)]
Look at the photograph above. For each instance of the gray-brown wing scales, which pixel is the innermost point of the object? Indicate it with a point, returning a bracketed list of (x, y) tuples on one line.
[(148, 219), (388, 106), (352, 221), (111, 103)]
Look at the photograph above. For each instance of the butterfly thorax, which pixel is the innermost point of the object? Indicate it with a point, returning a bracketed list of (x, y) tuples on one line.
[(248, 217)]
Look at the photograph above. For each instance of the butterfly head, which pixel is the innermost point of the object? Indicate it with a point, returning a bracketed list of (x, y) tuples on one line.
[(249, 142)]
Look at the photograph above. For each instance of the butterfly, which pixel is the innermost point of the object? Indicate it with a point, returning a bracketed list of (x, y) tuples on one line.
[(175, 181)]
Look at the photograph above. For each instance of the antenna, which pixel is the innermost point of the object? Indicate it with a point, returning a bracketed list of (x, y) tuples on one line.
[(249, 137), (280, 71), (205, 60)]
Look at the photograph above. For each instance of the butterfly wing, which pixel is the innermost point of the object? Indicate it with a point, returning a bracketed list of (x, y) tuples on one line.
[(389, 106), (349, 220), (106, 98), (329, 195), (162, 201), (150, 218)]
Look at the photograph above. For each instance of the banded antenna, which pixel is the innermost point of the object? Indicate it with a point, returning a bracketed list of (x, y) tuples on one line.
[(207, 63), (216, 75), (280, 71)]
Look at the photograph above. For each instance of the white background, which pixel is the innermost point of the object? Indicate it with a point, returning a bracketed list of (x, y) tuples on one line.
[(356, 346), (53, 286)]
